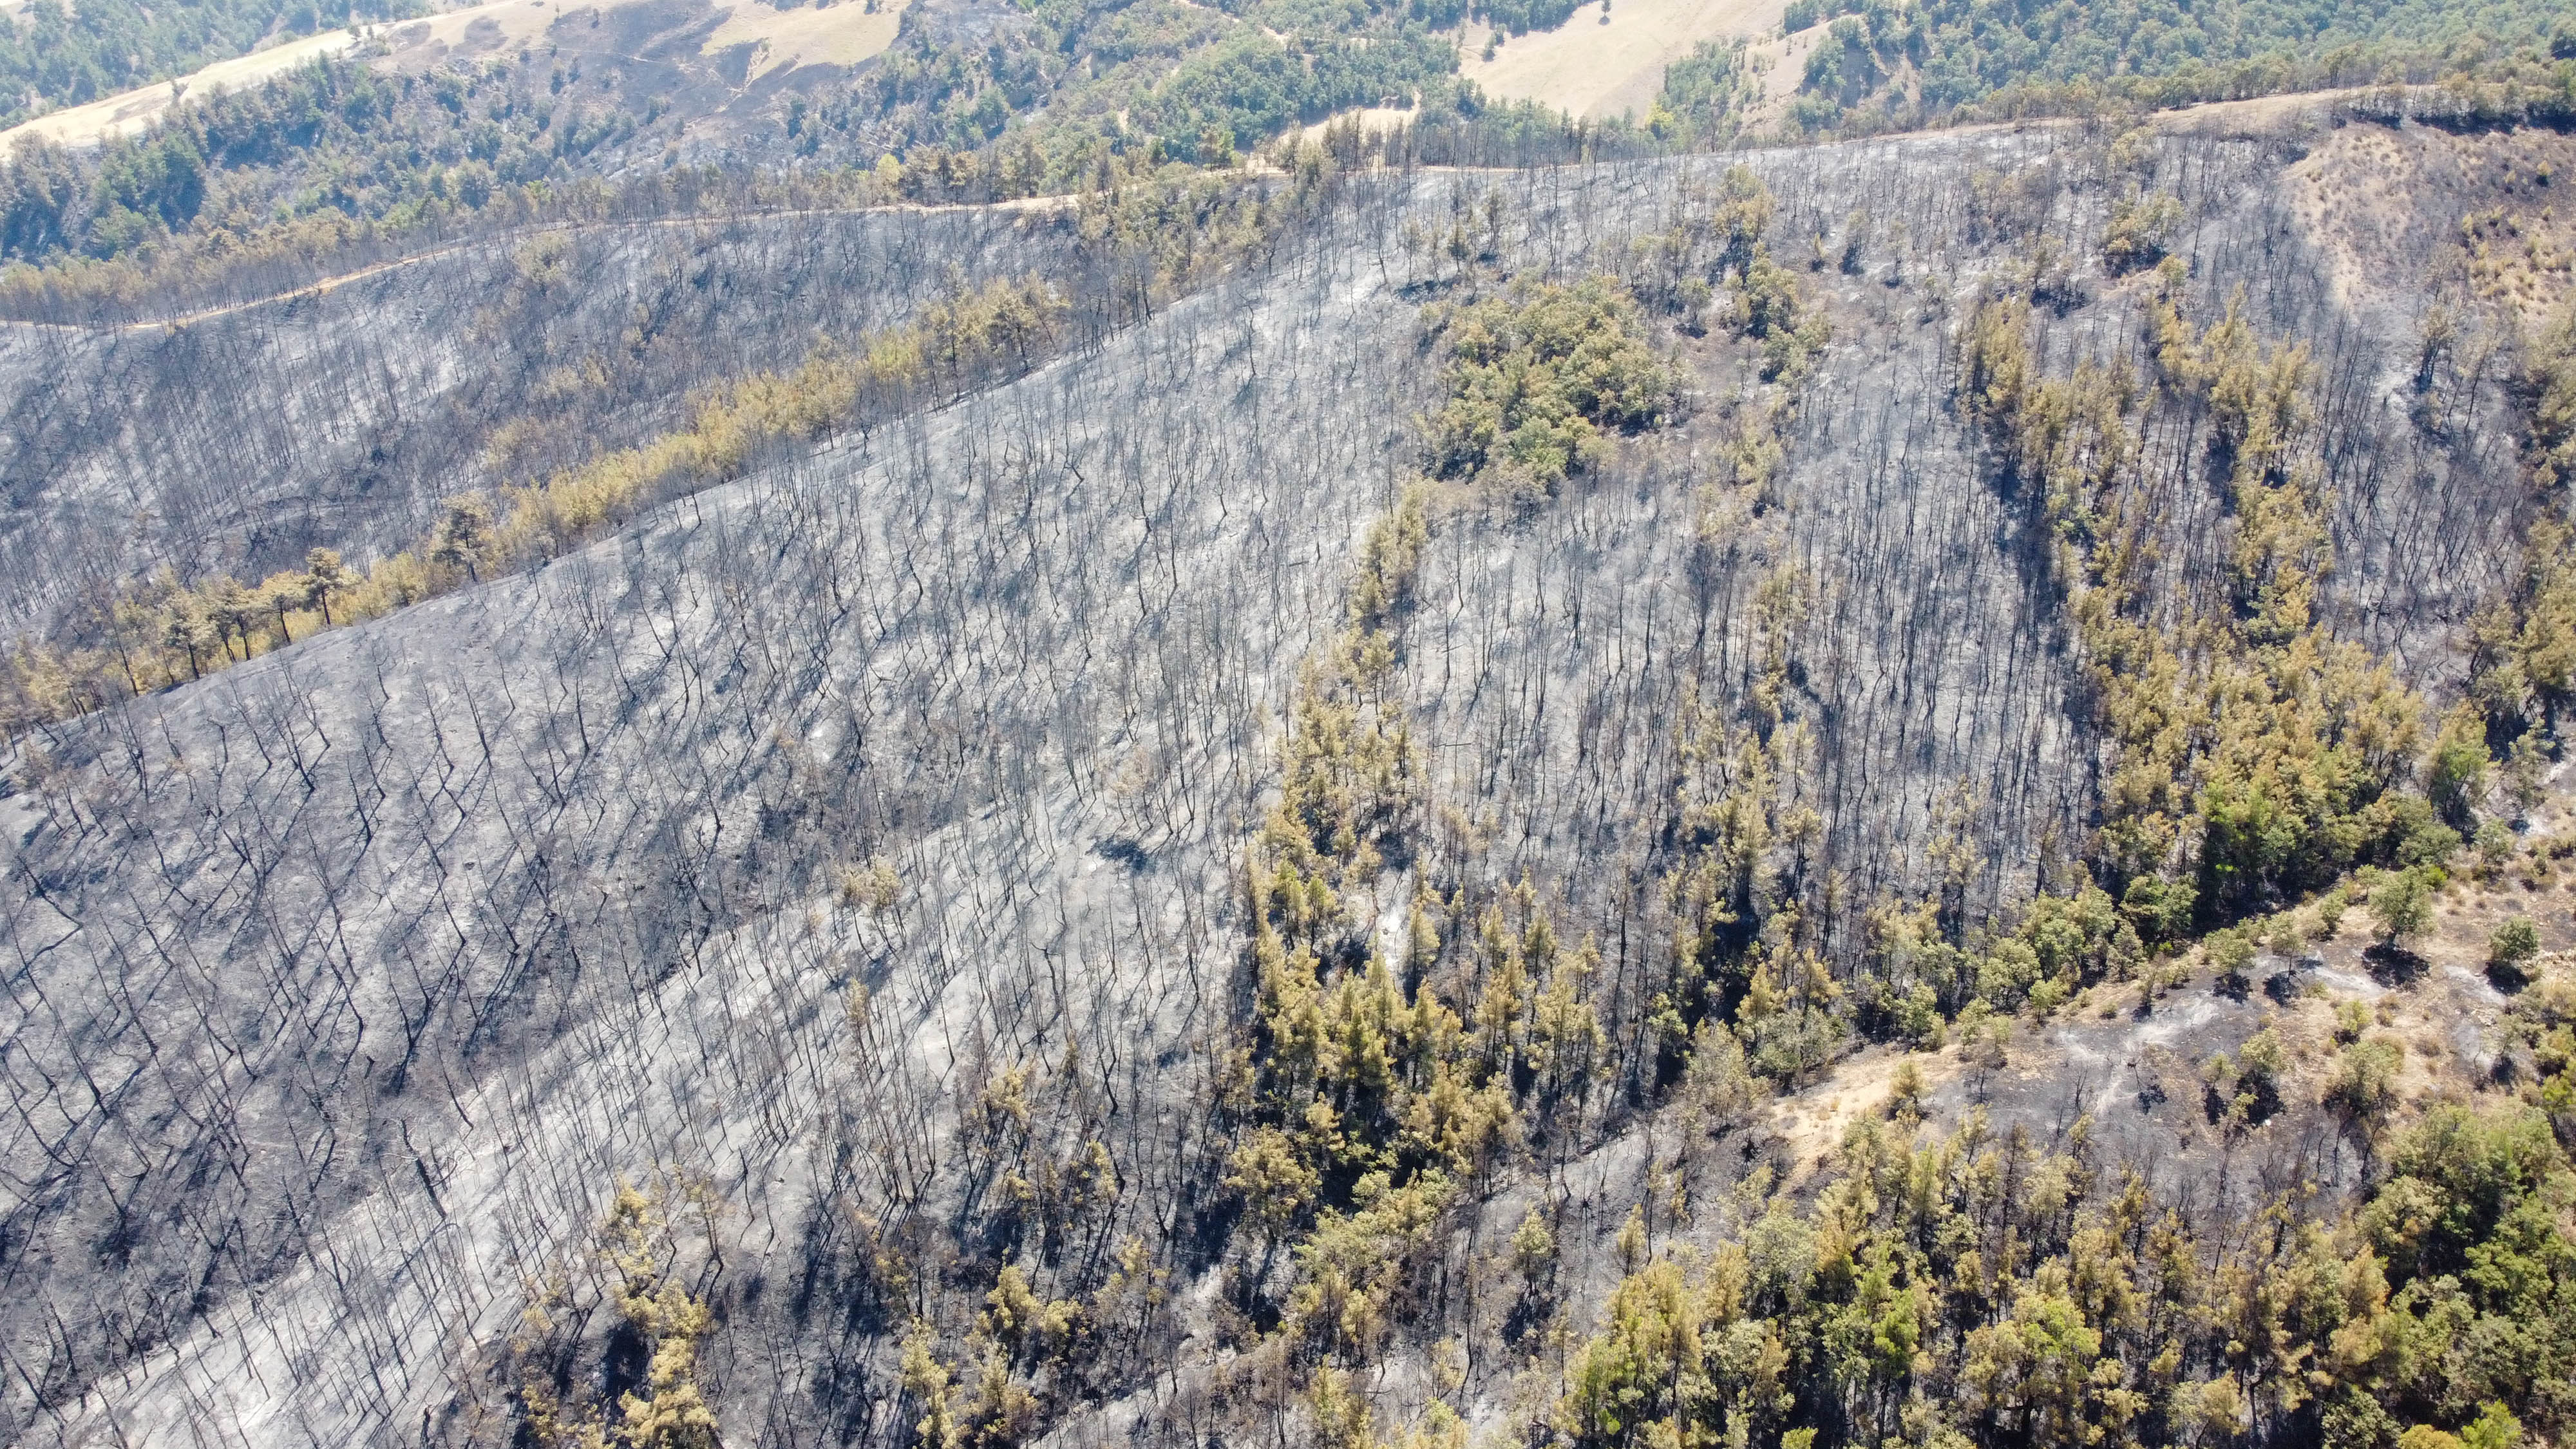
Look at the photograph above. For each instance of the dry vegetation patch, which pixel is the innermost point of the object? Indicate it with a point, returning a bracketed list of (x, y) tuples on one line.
[(1880, 1082), (1608, 60), (127, 112), (2387, 204), (781, 39), (784, 39)]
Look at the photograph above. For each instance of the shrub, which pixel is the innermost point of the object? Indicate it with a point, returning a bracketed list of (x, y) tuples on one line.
[(2330, 909), (1533, 1247), (2139, 231), (2364, 1089), (2260, 1062), (2494, 844), (2231, 952), (2514, 943), (2457, 779), (2411, 833), (2494, 1428), (2403, 906), (1905, 1091)]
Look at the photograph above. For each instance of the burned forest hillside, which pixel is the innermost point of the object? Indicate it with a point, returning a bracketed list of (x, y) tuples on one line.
[(235, 438), (1894, 791)]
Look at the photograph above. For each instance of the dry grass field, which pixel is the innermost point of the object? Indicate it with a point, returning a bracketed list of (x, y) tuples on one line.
[(2371, 193), (131, 111), (841, 34), (1609, 59)]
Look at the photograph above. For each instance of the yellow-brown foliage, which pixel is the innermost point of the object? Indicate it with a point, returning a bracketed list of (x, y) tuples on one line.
[(164, 631), (2253, 754)]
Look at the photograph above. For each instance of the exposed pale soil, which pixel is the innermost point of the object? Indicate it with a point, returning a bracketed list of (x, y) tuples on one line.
[(770, 40), (2495, 208), (1609, 59), (130, 111)]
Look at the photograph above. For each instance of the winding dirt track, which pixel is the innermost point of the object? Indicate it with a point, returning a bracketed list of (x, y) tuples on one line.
[(506, 238), (2260, 111)]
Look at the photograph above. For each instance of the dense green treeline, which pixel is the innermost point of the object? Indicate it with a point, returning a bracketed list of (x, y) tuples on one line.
[(53, 54), (1199, 83), (1067, 90), (1062, 93), (1983, 1288), (1070, 92), (334, 153), (1890, 63), (320, 149), (1974, 48)]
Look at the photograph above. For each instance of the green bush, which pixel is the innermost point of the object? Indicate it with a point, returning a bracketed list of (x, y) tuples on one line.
[(2231, 952), (2514, 943), (2402, 903), (2457, 777), (1536, 376), (2330, 908), (2364, 1089)]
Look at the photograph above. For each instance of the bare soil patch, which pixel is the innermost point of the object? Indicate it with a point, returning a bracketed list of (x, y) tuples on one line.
[(2490, 209), (841, 35), (1609, 59)]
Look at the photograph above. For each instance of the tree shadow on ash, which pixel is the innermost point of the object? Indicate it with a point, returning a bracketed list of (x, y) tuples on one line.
[(2393, 965), (1123, 851)]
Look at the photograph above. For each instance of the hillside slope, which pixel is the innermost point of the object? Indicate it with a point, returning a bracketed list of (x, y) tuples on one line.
[(861, 854), (237, 442)]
